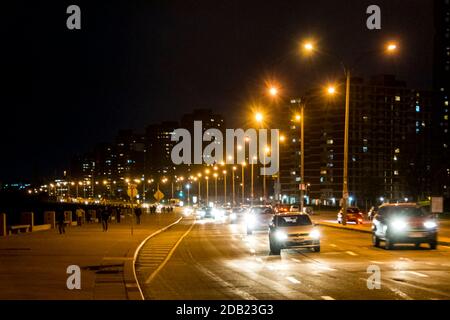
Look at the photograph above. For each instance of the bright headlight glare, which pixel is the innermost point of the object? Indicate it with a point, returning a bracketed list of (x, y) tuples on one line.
[(280, 235), (430, 224), (233, 216), (398, 225), (315, 234), (250, 219), (202, 213)]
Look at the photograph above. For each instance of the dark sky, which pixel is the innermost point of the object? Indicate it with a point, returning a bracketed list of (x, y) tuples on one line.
[(138, 62)]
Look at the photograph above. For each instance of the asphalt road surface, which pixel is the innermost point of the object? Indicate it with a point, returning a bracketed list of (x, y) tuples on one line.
[(205, 259)]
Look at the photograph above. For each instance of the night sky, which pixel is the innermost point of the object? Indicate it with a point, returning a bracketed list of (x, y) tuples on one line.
[(139, 62)]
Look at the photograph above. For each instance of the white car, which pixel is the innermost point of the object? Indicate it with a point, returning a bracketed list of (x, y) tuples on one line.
[(293, 230)]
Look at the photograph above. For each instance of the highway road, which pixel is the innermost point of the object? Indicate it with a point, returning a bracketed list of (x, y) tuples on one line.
[(205, 259)]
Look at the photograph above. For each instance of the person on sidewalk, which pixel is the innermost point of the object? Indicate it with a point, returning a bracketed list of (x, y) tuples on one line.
[(61, 220), (138, 213), (79, 214), (105, 217)]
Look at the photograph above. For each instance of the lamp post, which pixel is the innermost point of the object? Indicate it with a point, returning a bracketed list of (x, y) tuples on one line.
[(224, 186), (188, 187), (199, 187), (243, 183), (207, 190), (233, 189), (252, 187), (215, 186)]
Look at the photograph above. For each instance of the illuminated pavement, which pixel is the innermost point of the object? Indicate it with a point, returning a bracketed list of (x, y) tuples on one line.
[(219, 261)]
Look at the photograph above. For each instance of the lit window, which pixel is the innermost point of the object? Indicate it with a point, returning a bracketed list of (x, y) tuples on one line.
[(396, 173), (446, 117), (322, 179), (395, 158), (365, 149), (330, 141), (324, 172), (397, 150), (417, 108), (398, 98)]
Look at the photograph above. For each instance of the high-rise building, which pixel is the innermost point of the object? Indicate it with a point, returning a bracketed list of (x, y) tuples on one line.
[(388, 158), (159, 146), (441, 84)]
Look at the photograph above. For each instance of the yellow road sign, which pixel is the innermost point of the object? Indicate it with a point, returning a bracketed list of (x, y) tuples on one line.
[(158, 195)]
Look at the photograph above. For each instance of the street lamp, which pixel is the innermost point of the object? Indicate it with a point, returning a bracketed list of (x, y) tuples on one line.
[(252, 187), (232, 174), (391, 47), (207, 190), (215, 185), (224, 186), (243, 182), (188, 187), (266, 151)]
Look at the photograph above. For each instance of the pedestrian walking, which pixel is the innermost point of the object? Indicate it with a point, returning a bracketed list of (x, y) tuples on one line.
[(104, 214), (79, 213), (138, 213), (61, 220)]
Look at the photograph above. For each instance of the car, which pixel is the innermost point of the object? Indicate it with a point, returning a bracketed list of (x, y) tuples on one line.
[(235, 214), (204, 212), (293, 230), (294, 208), (353, 215), (281, 208), (404, 223), (258, 218)]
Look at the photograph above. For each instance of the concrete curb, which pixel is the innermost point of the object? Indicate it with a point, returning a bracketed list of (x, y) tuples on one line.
[(338, 226), (132, 287)]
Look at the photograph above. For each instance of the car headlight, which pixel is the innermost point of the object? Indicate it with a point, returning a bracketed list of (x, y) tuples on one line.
[(202, 213), (398, 225), (430, 224), (280, 235), (250, 219), (233, 216), (315, 234)]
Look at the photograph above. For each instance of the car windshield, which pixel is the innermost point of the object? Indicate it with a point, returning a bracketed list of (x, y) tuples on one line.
[(403, 211), (292, 221), (262, 211)]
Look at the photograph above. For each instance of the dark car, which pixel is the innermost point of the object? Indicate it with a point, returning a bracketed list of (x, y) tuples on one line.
[(259, 218), (353, 215), (404, 223)]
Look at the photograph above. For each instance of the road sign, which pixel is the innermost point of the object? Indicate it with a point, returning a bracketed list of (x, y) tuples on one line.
[(158, 195), (437, 204), (132, 191)]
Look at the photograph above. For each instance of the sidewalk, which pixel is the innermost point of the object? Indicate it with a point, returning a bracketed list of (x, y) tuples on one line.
[(33, 265), (367, 228)]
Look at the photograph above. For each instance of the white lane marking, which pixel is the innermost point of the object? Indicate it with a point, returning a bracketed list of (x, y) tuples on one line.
[(295, 260), (416, 274), (351, 253), (401, 293), (252, 251), (169, 255), (333, 245), (377, 262), (293, 280), (405, 259), (327, 298), (259, 260), (322, 266)]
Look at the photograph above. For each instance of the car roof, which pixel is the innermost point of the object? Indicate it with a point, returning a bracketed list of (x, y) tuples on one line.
[(291, 214)]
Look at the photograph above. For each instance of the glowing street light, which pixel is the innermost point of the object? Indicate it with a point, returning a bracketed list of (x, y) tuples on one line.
[(259, 117), (331, 90)]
